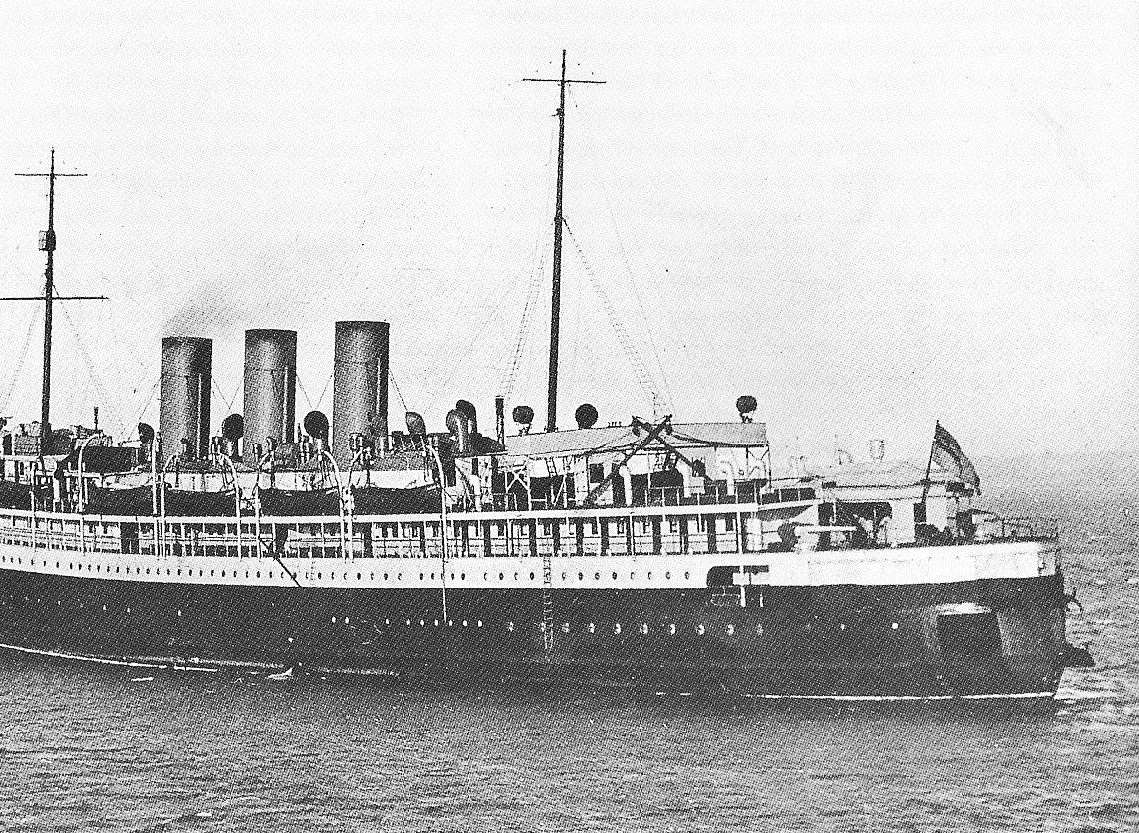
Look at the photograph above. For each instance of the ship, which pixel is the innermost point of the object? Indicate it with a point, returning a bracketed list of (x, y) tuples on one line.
[(648, 553)]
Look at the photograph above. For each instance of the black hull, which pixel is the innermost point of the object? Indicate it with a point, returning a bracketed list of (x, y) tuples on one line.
[(809, 642)]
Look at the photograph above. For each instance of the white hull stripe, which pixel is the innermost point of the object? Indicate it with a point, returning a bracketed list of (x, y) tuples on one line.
[(104, 660)]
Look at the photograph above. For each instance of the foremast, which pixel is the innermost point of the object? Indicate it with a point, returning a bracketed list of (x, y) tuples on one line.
[(47, 244)]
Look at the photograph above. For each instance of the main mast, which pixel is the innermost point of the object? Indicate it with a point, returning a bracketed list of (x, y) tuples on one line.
[(556, 286)]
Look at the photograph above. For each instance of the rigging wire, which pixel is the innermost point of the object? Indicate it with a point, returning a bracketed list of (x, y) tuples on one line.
[(304, 392), (146, 403), (398, 392), (633, 282), (640, 372), (324, 390), (228, 402), (542, 247), (20, 363), (96, 379)]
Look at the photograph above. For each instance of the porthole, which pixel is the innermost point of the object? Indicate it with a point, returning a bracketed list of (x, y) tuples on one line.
[(464, 623), (894, 625), (699, 630), (731, 630), (500, 576)]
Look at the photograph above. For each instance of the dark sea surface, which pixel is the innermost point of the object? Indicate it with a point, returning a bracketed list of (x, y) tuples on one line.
[(85, 748)]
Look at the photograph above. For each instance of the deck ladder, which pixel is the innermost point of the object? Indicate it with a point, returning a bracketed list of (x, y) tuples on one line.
[(547, 604)]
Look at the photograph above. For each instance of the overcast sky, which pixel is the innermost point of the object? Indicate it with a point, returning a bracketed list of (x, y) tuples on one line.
[(869, 218)]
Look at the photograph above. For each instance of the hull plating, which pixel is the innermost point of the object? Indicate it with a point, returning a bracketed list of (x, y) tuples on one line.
[(966, 639)]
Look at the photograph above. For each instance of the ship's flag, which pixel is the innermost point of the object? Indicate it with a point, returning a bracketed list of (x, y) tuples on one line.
[(947, 453)]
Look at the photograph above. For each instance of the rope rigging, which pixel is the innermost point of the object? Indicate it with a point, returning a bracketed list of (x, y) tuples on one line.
[(540, 253), (640, 371), (638, 297), (20, 363)]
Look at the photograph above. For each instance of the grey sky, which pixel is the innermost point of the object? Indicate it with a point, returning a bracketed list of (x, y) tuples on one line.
[(870, 218)]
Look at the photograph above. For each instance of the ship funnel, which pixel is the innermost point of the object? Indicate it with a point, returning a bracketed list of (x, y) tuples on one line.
[(270, 389), (359, 385), (184, 396)]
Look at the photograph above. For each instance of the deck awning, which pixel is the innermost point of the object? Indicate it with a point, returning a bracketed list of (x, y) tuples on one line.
[(585, 441)]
